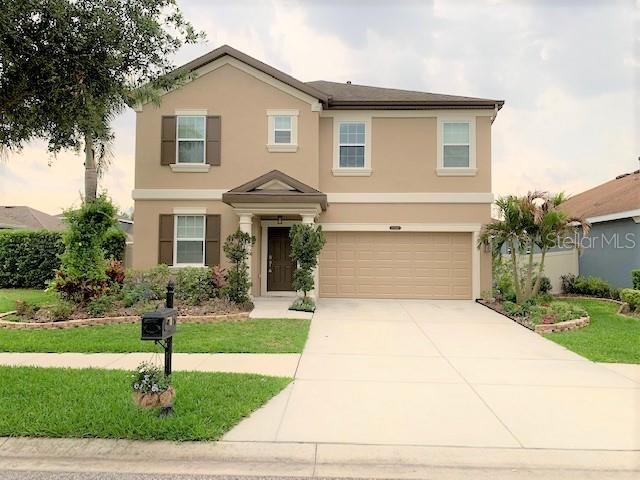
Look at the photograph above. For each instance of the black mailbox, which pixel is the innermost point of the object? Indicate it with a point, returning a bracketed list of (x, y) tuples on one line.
[(159, 324)]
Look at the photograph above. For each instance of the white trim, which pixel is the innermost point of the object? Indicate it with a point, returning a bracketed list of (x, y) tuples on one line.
[(351, 117), (192, 239), (177, 194), (316, 106), (441, 170), (278, 209), (411, 197), (351, 172), (264, 246), (475, 265), (614, 216), (203, 140), (272, 146), (189, 210), (404, 227), (191, 113), (411, 113), (190, 167)]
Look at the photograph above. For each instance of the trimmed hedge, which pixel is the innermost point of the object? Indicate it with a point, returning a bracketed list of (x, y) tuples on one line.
[(632, 297), (635, 277), (590, 286), (29, 258)]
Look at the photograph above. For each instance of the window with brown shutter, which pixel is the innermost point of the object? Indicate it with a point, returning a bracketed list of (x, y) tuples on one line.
[(165, 240), (214, 131), (168, 139), (212, 241)]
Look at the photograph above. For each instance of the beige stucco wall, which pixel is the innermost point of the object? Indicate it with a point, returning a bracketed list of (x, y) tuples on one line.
[(404, 157), (242, 101)]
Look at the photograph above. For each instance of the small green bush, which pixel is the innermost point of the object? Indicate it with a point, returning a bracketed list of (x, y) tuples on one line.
[(568, 283), (29, 258), (145, 285), (512, 308), (635, 278), (237, 247), (101, 305), (306, 243), (114, 244), (564, 311), (589, 286), (545, 285), (632, 297), (61, 310), (194, 285), (304, 304)]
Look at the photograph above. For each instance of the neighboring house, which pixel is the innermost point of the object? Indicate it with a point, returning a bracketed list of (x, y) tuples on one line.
[(399, 180), (27, 217), (612, 248)]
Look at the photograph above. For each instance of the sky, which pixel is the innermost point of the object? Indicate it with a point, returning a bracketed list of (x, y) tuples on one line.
[(567, 70)]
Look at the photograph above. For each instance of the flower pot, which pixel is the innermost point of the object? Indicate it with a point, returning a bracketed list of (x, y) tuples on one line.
[(155, 399)]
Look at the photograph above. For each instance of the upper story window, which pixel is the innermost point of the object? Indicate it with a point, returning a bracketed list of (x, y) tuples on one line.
[(282, 130), (352, 144), (191, 139), (189, 240), (456, 149)]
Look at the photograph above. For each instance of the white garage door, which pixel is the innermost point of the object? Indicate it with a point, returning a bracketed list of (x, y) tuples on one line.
[(396, 265)]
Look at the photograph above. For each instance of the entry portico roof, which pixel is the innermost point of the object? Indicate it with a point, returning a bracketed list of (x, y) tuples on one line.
[(275, 187)]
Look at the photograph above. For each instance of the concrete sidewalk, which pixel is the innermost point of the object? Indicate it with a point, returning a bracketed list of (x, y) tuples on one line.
[(276, 307), (311, 460), (275, 364)]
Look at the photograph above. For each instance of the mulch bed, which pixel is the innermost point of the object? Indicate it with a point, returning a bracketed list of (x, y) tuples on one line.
[(497, 307)]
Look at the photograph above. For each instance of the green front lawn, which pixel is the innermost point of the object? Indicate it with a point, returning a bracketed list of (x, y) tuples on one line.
[(281, 335), (609, 338), (8, 297), (55, 402)]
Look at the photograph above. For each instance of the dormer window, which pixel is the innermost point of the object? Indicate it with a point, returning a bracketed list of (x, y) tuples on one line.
[(282, 126)]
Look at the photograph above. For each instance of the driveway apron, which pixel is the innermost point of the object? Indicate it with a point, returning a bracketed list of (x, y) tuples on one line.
[(444, 373)]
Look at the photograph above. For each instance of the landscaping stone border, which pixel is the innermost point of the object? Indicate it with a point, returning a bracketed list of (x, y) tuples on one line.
[(563, 326), (92, 322)]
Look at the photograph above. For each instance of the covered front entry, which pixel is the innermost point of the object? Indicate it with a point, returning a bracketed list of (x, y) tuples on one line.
[(267, 207), (280, 267)]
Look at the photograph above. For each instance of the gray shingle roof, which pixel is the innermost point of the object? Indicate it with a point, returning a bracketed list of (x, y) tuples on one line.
[(27, 217)]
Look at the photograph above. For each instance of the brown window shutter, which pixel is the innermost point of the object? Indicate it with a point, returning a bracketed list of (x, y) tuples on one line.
[(165, 243), (168, 150), (212, 241), (214, 132)]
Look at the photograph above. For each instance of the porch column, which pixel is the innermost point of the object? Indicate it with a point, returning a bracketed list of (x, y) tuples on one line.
[(310, 219), (245, 226)]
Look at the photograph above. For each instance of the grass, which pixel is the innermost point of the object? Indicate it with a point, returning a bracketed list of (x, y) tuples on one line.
[(609, 338), (55, 402), (247, 336), (8, 297)]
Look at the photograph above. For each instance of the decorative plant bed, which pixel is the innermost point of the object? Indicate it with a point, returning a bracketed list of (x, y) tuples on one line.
[(88, 322), (543, 317)]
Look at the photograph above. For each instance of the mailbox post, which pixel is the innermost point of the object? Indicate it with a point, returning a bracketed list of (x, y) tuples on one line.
[(160, 325)]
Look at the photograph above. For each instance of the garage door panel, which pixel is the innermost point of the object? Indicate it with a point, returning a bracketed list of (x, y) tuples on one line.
[(396, 265)]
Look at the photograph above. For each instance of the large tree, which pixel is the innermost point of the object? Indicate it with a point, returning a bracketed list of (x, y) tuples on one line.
[(67, 67)]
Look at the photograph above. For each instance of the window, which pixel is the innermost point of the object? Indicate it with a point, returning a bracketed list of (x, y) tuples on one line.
[(455, 145), (191, 139), (352, 145), (189, 247), (282, 129)]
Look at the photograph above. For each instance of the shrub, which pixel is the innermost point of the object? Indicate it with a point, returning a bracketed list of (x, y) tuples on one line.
[(503, 278), (145, 285), (83, 262), (306, 243), (115, 271), (545, 285), (564, 311), (61, 310), (632, 297), (79, 290), (101, 305), (218, 275), (592, 286), (194, 285), (114, 244), (568, 283), (512, 308), (29, 258), (304, 304), (635, 278), (25, 309), (237, 248)]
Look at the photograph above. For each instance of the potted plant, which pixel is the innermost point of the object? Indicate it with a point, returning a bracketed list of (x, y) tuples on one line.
[(151, 387)]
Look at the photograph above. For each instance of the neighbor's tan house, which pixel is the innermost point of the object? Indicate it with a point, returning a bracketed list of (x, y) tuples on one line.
[(399, 180)]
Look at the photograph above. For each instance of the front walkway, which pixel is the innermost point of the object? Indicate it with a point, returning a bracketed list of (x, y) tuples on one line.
[(276, 364), (444, 373)]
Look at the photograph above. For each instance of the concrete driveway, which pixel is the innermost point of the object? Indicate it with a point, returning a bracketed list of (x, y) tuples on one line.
[(444, 373)]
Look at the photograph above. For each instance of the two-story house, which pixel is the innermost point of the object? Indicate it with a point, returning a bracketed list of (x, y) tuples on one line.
[(399, 180)]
